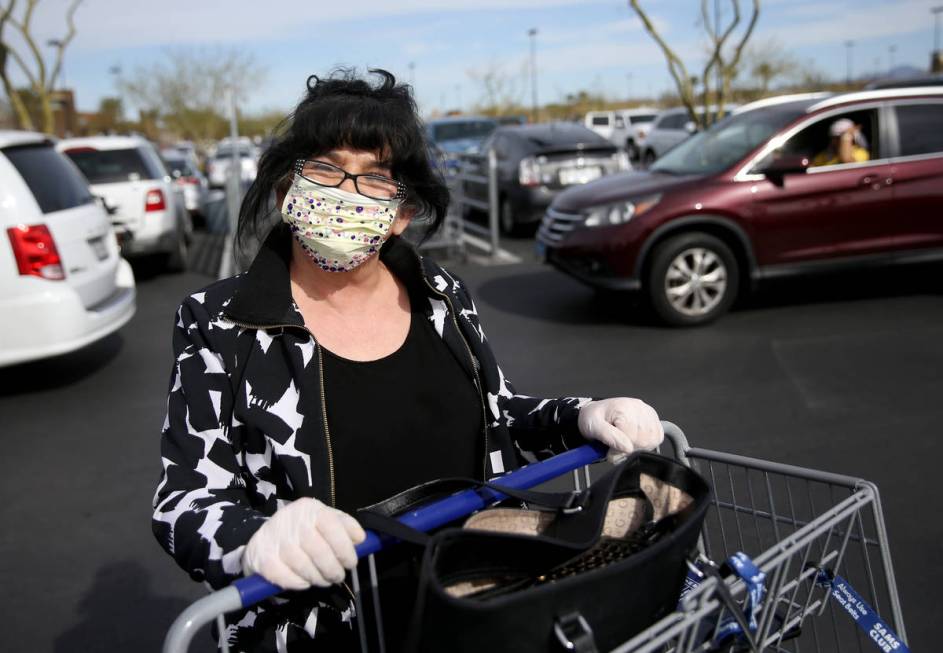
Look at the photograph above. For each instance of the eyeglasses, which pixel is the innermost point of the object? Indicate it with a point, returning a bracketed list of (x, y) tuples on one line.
[(374, 186)]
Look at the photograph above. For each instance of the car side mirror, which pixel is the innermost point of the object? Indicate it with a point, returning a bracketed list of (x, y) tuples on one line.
[(787, 164), (690, 127)]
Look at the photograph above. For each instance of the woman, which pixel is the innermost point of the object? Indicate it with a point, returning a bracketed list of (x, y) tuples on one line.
[(341, 368)]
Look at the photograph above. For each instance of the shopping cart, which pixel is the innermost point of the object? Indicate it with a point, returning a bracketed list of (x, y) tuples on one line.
[(800, 527)]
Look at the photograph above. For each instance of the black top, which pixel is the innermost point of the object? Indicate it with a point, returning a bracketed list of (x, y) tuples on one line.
[(401, 420)]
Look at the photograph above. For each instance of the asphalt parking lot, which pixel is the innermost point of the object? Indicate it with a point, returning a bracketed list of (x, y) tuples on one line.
[(840, 374)]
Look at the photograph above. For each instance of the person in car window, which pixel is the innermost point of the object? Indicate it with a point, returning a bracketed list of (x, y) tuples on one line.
[(340, 369), (845, 145)]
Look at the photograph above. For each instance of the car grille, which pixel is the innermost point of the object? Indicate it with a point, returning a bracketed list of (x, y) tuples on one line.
[(556, 225)]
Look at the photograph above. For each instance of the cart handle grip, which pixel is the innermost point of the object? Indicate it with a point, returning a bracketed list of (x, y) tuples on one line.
[(253, 589)]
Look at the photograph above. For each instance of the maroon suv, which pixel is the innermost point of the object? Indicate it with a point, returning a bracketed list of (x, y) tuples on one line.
[(761, 194)]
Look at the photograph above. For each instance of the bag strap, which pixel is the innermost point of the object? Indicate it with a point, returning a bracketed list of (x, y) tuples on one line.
[(415, 496), (381, 517)]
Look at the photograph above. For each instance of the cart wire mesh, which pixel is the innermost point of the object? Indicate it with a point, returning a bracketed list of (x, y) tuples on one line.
[(794, 523)]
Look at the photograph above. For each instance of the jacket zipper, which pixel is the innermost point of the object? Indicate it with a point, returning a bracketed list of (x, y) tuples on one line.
[(471, 359), (327, 430)]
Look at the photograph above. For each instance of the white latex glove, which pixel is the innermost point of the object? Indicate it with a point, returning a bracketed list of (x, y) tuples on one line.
[(624, 424), (304, 543)]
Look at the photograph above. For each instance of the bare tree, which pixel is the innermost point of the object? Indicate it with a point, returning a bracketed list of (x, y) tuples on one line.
[(502, 92), (41, 77), (723, 61), (190, 89), (767, 62)]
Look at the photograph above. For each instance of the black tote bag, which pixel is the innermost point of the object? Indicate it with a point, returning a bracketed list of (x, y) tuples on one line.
[(598, 568)]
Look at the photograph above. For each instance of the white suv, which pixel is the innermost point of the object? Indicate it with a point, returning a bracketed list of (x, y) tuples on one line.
[(63, 283), (622, 127), (148, 210)]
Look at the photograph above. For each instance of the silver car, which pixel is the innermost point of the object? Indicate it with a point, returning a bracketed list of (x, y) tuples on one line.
[(671, 127)]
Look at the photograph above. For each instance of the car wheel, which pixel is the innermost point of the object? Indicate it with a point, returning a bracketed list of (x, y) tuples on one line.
[(631, 149), (648, 158), (509, 226), (693, 279), (178, 257)]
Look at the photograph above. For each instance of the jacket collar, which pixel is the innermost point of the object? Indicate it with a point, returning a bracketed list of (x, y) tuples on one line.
[(263, 294)]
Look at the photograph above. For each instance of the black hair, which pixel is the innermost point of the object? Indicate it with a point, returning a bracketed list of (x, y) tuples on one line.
[(344, 110)]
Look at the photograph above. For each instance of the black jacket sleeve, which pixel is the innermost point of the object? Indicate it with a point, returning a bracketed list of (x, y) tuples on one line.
[(202, 515)]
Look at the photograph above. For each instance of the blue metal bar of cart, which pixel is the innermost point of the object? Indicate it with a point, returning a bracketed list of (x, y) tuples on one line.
[(248, 591), (253, 589)]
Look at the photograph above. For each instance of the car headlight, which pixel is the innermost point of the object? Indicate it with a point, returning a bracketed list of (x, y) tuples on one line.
[(612, 214)]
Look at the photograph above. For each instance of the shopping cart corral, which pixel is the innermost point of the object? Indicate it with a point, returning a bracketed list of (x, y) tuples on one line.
[(818, 539)]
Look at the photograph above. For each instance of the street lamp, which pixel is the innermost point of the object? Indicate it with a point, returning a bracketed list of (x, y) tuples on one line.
[(849, 45), (936, 11), (532, 33), (891, 49), (412, 74), (56, 43)]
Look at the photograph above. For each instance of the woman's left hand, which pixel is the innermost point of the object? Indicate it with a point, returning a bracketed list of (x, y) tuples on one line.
[(624, 424)]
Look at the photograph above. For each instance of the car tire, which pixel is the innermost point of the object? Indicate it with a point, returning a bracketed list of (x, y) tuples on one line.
[(506, 220), (693, 279), (178, 258), (631, 149), (648, 158)]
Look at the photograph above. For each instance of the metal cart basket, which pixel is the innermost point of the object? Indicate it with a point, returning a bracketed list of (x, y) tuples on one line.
[(795, 523)]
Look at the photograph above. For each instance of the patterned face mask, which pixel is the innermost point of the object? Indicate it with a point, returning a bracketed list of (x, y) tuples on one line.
[(338, 229)]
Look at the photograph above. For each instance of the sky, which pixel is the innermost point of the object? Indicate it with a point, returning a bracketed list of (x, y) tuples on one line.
[(440, 45)]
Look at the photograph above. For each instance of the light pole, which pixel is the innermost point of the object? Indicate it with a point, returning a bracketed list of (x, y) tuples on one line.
[(56, 43), (412, 74), (532, 33), (849, 46), (891, 49), (936, 11)]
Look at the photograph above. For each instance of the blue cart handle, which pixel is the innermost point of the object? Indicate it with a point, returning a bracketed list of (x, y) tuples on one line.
[(253, 589)]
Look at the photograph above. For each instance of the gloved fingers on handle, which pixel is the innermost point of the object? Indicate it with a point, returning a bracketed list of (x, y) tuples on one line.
[(277, 572), (300, 561), (322, 557), (353, 527), (331, 528), (336, 535)]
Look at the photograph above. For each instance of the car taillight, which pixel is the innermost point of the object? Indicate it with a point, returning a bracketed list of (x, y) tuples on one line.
[(35, 251), (187, 181), (529, 172), (154, 201)]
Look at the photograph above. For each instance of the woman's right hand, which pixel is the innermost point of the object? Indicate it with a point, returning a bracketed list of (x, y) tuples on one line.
[(304, 543)]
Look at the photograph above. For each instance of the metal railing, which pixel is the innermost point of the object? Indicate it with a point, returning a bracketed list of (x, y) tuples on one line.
[(457, 232)]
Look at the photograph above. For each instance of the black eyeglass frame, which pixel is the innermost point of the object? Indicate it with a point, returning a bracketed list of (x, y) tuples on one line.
[(401, 188)]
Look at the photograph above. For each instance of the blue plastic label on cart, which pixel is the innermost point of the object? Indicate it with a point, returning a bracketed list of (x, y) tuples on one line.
[(691, 582), (755, 580), (862, 613)]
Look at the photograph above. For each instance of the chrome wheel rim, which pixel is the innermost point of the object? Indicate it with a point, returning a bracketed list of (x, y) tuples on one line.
[(696, 281)]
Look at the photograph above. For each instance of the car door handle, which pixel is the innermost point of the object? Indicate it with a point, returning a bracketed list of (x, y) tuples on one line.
[(875, 182)]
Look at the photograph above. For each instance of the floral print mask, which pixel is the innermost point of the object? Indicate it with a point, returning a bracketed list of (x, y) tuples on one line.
[(339, 230)]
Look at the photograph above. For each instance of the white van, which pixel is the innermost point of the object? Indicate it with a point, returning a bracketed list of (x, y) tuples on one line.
[(63, 283)]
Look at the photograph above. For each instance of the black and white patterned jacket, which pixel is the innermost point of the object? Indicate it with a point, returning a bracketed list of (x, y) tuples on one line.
[(247, 431)]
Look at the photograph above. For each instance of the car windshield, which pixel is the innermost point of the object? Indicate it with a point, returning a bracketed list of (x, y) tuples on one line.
[(111, 166), (642, 118), (178, 167), (458, 130), (727, 142)]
